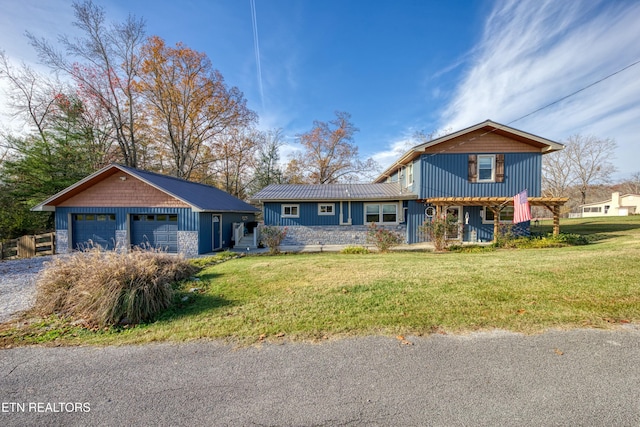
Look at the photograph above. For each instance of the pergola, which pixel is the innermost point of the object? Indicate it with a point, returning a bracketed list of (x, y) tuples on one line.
[(496, 204)]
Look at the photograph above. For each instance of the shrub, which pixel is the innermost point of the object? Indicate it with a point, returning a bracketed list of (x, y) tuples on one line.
[(357, 250), (382, 238), (104, 288), (272, 237), (537, 241), (436, 230)]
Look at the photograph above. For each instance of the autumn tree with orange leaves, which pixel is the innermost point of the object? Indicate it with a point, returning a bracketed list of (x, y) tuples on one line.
[(190, 104), (330, 155)]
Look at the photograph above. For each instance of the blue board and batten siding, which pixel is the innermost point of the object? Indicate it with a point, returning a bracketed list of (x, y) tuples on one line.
[(308, 214), (188, 220), (446, 175)]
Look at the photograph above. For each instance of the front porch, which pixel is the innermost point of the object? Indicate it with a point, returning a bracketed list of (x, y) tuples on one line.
[(497, 204)]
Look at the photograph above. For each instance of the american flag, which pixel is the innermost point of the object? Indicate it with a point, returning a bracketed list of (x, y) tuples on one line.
[(521, 210)]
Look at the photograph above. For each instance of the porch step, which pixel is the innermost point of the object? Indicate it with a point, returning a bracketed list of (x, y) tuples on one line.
[(245, 242)]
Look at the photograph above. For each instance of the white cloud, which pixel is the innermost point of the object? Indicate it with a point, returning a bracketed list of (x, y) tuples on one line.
[(533, 53), (396, 149)]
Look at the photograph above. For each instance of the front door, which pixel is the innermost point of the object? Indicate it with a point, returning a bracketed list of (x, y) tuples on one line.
[(454, 227), (217, 232)]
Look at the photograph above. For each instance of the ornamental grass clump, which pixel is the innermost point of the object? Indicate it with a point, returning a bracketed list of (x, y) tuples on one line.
[(104, 288)]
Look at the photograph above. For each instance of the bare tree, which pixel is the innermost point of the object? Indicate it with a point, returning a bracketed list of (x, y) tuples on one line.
[(590, 160), (632, 185), (329, 154), (584, 162), (104, 64), (237, 151), (557, 174), (31, 96), (267, 169)]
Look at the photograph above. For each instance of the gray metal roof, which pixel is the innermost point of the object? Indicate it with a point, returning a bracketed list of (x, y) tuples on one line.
[(202, 197), (319, 192)]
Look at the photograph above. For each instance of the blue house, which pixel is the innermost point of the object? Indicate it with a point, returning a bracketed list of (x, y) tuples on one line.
[(472, 175), (120, 207)]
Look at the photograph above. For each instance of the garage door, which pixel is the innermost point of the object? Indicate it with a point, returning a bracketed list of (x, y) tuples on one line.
[(155, 231), (97, 228)]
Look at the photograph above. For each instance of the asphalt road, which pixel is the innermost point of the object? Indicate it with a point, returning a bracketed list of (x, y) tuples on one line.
[(585, 377)]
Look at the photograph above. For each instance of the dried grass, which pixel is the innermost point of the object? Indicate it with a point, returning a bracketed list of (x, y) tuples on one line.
[(101, 288)]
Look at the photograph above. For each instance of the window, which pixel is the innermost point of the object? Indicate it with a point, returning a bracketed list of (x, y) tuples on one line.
[(506, 215), (595, 209), (389, 213), (383, 213), (291, 211), (372, 213), (409, 175), (325, 209), (486, 168)]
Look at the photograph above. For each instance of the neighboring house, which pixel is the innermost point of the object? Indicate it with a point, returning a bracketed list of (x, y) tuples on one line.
[(120, 207), (471, 174), (628, 204)]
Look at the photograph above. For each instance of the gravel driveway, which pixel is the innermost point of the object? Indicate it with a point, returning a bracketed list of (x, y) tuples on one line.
[(18, 285)]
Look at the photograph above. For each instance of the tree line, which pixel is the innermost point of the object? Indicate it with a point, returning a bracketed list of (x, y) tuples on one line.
[(118, 95)]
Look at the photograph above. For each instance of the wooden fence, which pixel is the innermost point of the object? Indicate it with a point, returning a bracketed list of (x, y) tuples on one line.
[(28, 246)]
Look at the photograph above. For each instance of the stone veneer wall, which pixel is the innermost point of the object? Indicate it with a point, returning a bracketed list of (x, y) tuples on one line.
[(62, 241), (122, 241), (332, 234), (188, 243)]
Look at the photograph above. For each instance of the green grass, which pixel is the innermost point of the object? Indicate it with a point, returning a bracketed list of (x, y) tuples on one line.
[(317, 296)]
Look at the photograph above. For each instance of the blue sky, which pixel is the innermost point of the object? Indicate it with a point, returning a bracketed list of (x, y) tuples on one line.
[(400, 66)]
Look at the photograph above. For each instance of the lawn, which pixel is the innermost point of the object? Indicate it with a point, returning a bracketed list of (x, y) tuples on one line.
[(326, 295)]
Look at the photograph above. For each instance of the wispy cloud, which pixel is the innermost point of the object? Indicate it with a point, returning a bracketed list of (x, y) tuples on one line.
[(535, 52)]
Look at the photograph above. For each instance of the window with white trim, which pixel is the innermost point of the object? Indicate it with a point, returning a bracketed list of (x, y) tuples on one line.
[(290, 211), (409, 174), (506, 215), (486, 168), (384, 213), (326, 209)]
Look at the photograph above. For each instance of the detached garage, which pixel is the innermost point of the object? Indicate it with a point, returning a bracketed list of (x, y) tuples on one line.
[(120, 207)]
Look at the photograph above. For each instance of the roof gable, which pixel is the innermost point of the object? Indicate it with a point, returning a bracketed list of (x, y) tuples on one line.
[(503, 139), (199, 197)]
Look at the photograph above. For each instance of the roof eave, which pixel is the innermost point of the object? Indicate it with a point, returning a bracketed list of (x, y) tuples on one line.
[(351, 199)]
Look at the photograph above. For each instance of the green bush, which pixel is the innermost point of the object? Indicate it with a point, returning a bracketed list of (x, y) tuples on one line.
[(357, 250), (382, 238), (537, 241), (103, 288), (437, 230), (272, 237)]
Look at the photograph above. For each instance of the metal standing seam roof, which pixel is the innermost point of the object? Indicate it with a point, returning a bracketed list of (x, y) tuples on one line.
[(319, 192), (200, 197)]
